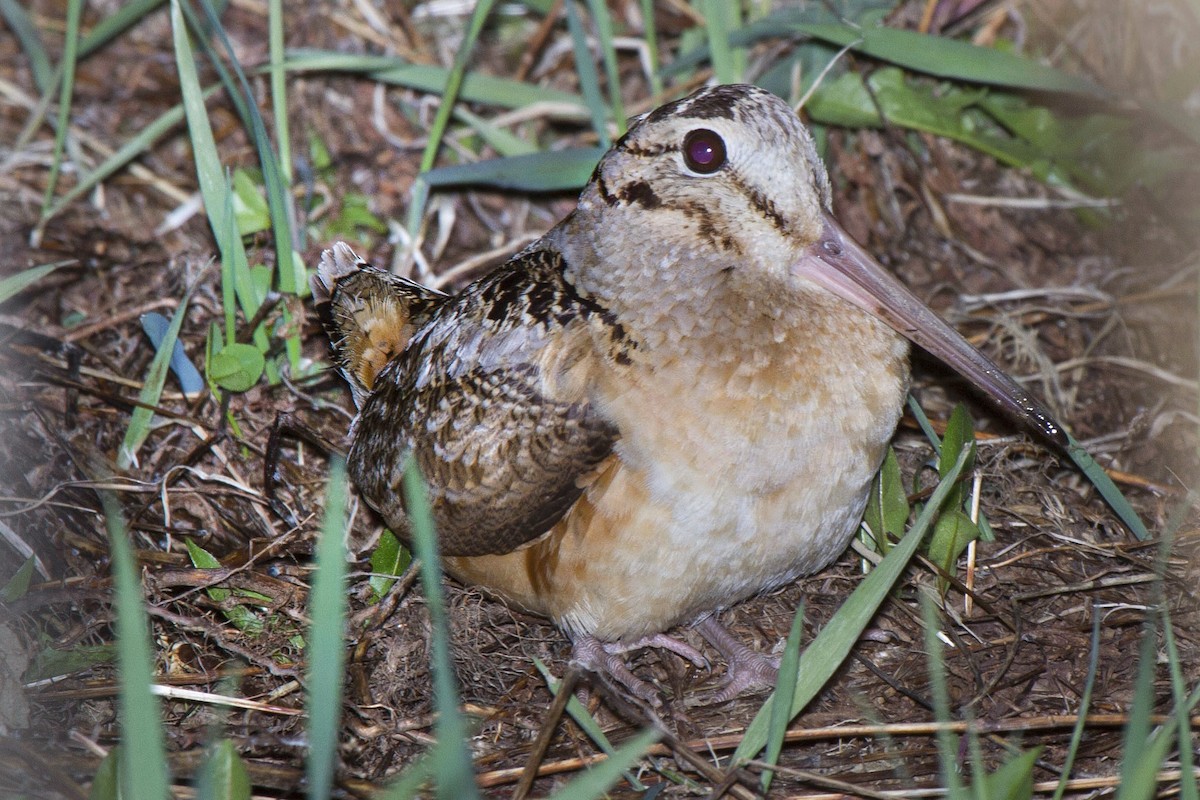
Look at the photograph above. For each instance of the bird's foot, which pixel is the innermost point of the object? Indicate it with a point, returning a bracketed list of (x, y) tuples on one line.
[(745, 669), (605, 659)]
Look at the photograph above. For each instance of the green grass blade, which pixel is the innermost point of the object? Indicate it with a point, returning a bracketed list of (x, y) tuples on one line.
[(144, 758), (1108, 490), (785, 686), (608, 54), (67, 89), (156, 376), (656, 83), (831, 646), (1188, 789), (597, 780), (18, 21), (553, 171), (279, 88), (327, 639), (950, 58), (475, 88), (720, 19), (500, 139), (454, 82), (452, 769), (15, 284), (112, 26), (289, 271), (946, 742), (589, 79)]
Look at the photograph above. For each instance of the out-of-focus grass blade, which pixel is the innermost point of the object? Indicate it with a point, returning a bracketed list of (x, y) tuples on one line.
[(409, 784), (597, 780), (612, 75), (475, 88), (830, 647), (156, 376), (67, 89), (949, 58), (585, 70), (279, 88), (656, 81), (785, 686), (116, 23), (1108, 490), (454, 82), (144, 758), (15, 284), (1188, 789), (223, 776), (18, 21), (946, 743), (327, 639), (505, 143), (721, 18), (554, 171), (106, 782), (452, 769)]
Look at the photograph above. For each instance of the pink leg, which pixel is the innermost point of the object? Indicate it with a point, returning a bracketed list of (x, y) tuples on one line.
[(745, 669)]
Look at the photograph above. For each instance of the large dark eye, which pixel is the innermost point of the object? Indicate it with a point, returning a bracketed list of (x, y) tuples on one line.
[(703, 151)]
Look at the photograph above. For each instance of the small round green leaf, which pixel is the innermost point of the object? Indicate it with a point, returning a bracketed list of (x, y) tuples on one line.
[(237, 367)]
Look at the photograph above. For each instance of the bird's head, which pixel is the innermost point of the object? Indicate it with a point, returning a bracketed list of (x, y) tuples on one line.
[(722, 195)]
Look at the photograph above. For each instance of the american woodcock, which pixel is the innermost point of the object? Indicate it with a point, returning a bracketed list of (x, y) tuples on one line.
[(675, 399)]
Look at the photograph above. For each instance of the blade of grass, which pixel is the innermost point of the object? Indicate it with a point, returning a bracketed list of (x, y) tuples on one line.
[(720, 18), (585, 70), (15, 284), (66, 91), (279, 88), (18, 21), (946, 743), (452, 762), (144, 758), (1188, 789), (651, 31), (785, 686), (223, 776), (156, 376), (116, 23), (538, 172), (327, 639), (1108, 490), (831, 646), (475, 88), (598, 779), (612, 75), (454, 82)]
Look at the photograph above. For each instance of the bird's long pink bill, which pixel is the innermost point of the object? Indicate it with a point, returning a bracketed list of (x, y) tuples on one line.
[(840, 265)]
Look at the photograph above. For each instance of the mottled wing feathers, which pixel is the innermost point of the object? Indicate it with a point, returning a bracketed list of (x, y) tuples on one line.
[(491, 396), (370, 315)]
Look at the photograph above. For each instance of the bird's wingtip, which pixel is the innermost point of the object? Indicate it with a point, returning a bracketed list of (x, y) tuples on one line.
[(336, 263)]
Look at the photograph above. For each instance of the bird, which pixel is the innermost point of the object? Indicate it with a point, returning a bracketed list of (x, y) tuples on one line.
[(674, 400)]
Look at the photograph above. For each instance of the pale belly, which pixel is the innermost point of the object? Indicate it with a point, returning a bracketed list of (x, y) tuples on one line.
[(707, 502)]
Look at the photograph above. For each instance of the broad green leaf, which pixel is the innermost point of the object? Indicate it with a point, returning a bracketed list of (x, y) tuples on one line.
[(236, 367), (249, 205), (887, 505), (224, 776), (51, 663), (1014, 779), (389, 560), (951, 535), (18, 584), (106, 783), (239, 616)]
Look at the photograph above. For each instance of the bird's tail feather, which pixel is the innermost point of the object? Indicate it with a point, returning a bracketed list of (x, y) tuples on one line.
[(370, 314)]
